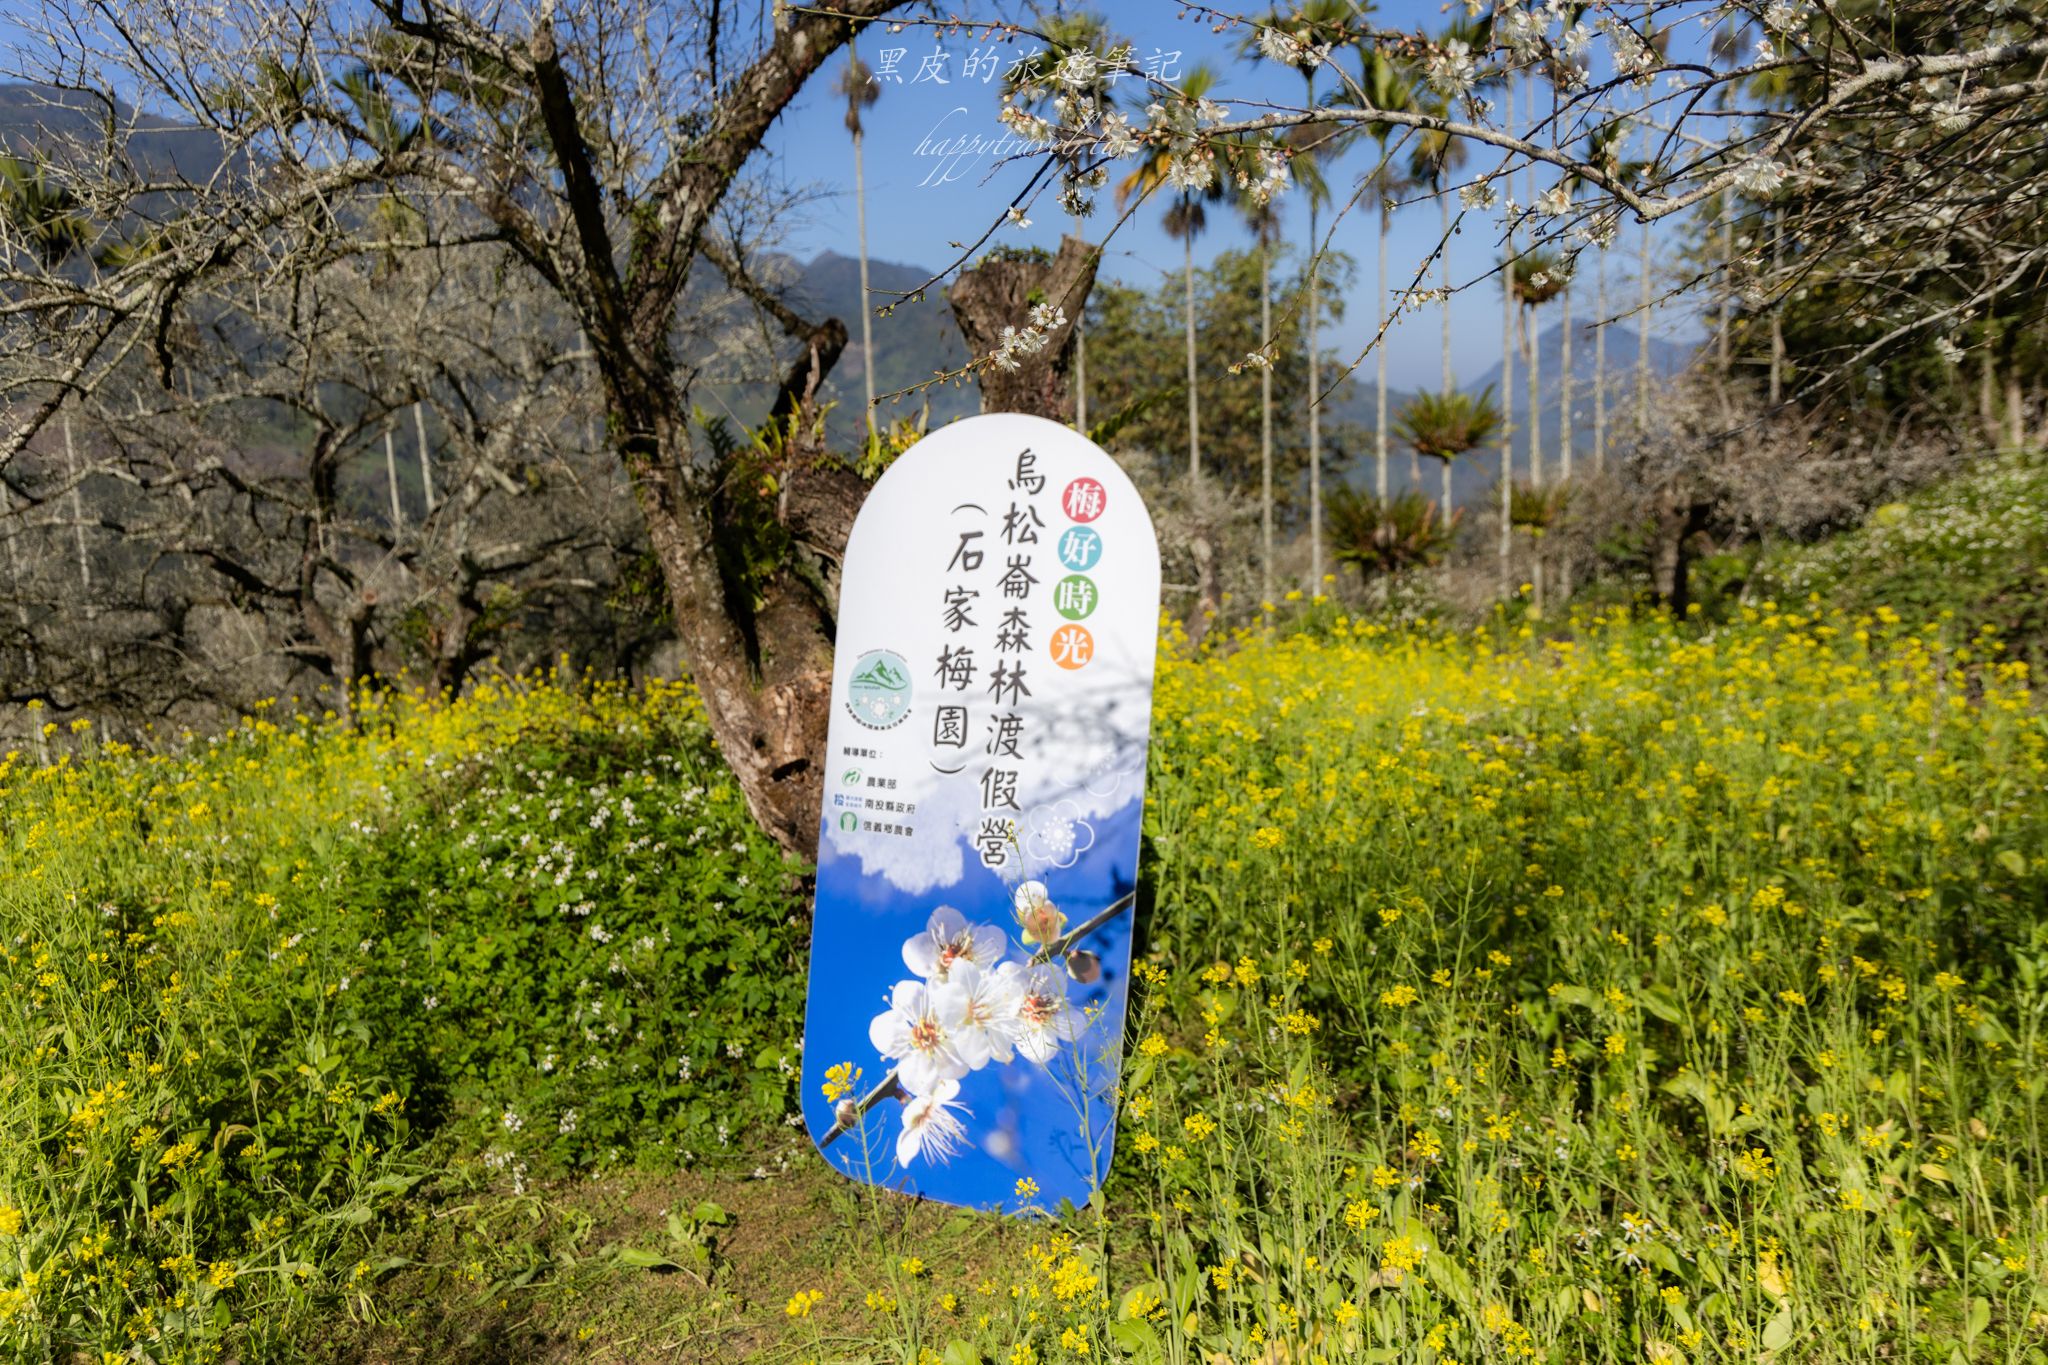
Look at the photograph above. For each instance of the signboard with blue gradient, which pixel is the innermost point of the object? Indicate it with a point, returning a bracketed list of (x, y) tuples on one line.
[(984, 792)]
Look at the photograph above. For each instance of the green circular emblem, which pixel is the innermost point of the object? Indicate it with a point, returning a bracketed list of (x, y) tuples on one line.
[(878, 693), (1074, 596)]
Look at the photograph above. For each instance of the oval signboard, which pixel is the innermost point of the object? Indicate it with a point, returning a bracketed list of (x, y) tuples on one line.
[(984, 793)]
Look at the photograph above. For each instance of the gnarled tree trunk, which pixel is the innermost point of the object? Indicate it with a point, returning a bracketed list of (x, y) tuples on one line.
[(759, 642), (999, 293)]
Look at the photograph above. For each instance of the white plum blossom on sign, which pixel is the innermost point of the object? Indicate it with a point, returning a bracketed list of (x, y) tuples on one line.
[(1045, 1017), (1056, 835), (948, 940), (1039, 920), (912, 1034), (929, 1128), (980, 1016), (968, 1009)]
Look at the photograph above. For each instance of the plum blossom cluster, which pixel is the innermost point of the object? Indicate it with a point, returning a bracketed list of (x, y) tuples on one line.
[(1018, 342), (1271, 177), (969, 1004), (1287, 49)]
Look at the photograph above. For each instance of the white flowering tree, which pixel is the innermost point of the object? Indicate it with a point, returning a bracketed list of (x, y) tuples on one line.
[(1852, 109)]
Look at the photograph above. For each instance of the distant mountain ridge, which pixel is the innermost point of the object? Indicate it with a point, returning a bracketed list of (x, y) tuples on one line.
[(44, 120), (917, 340), (913, 342), (1667, 358)]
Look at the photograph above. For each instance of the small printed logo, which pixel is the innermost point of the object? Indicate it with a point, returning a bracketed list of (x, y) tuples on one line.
[(1072, 647), (1080, 547), (878, 693), (849, 822), (850, 778), (1074, 597)]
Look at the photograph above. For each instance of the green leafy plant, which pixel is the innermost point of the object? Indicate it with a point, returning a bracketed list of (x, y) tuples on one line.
[(1537, 510), (1444, 426), (1537, 277), (1406, 532)]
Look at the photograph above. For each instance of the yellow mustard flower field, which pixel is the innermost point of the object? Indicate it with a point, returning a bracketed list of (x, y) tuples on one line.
[(1624, 991)]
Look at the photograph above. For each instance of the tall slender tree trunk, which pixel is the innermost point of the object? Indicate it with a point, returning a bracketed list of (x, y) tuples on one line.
[(77, 500), (1315, 424), (1723, 342), (95, 654), (1534, 361), (391, 478), (1380, 380), (1600, 373), (1446, 500), (867, 325), (1565, 387), (1444, 282), (1777, 312), (1266, 421), (21, 612), (1080, 376), (419, 426), (1507, 418), (1566, 384), (1643, 337), (1443, 266), (1187, 242), (1987, 402)]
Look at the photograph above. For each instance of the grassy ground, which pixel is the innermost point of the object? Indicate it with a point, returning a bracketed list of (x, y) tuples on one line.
[(1627, 993)]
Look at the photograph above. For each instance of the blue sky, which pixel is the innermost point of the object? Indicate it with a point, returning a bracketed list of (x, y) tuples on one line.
[(915, 211), (918, 207)]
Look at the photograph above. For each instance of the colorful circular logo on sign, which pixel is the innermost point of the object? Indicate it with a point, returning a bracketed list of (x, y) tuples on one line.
[(1072, 646), (878, 693), (1079, 548), (1074, 597), (1083, 500)]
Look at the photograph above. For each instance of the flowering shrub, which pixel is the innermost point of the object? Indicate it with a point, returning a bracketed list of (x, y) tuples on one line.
[(241, 983), (1974, 547), (593, 955)]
